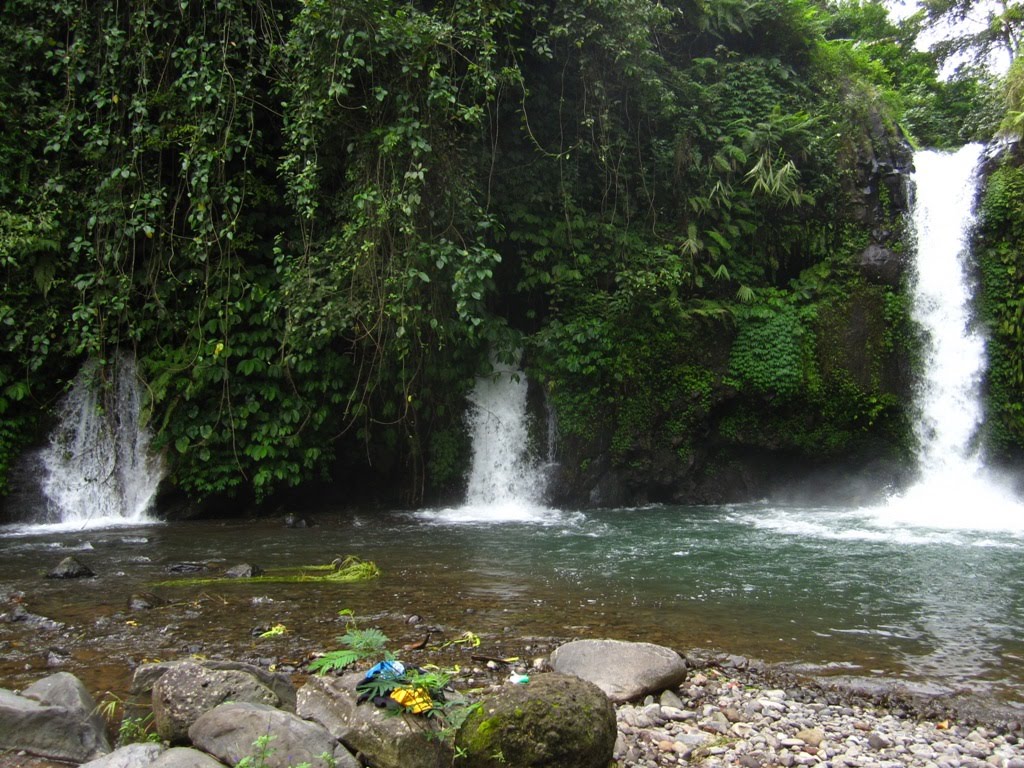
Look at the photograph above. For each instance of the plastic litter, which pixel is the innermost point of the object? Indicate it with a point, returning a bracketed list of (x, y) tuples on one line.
[(519, 679), (416, 700), (389, 670)]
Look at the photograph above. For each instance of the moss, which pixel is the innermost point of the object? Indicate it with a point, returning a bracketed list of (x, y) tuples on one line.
[(350, 570)]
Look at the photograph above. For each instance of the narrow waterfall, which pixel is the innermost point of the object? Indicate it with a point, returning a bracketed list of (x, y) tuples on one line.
[(503, 473), (954, 489), (98, 468)]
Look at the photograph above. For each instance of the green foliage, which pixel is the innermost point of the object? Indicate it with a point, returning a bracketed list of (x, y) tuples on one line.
[(1001, 257), (313, 223), (360, 645), (770, 352)]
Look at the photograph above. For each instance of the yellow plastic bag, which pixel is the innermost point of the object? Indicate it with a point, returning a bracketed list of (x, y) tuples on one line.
[(416, 700)]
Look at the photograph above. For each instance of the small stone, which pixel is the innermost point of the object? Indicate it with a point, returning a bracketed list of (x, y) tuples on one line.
[(812, 736), (670, 699), (879, 742), (666, 746), (677, 715)]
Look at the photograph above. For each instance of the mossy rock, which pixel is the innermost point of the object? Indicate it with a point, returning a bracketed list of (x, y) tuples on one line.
[(552, 720)]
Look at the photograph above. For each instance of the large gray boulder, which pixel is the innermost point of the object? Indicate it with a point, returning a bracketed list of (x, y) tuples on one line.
[(624, 671), (554, 720), (187, 690), (230, 732), (384, 739), (55, 718), (146, 675), (130, 756)]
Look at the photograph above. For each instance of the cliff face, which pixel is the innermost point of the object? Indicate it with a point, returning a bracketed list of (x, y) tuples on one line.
[(806, 393)]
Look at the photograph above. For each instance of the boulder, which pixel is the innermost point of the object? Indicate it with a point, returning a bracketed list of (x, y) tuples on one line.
[(552, 720), (70, 568), (146, 675), (187, 690), (243, 571), (130, 756), (624, 671), (231, 732), (55, 718), (384, 739)]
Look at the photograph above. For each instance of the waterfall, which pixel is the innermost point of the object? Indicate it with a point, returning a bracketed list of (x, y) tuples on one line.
[(503, 472), (954, 489), (507, 477), (98, 467)]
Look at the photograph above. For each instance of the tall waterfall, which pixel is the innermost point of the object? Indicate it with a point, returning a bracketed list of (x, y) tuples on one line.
[(954, 489), (98, 468)]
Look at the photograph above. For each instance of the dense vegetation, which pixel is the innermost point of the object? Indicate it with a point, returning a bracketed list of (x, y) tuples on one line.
[(314, 223)]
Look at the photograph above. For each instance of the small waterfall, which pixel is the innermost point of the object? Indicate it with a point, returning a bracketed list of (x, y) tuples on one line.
[(503, 472), (507, 478), (954, 489), (98, 467)]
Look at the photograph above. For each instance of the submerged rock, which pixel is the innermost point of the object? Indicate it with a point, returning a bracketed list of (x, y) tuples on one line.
[(70, 568), (19, 613), (623, 670), (243, 571), (552, 720)]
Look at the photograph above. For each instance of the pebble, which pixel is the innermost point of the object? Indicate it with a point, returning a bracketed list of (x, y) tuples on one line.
[(721, 718)]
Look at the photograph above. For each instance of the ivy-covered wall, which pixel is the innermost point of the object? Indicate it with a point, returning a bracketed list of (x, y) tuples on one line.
[(1000, 255), (313, 223)]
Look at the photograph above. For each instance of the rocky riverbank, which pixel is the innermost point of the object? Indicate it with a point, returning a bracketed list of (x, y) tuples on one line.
[(728, 711), (752, 716)]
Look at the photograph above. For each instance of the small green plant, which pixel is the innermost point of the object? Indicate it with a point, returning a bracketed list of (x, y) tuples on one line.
[(261, 753), (132, 729), (359, 644)]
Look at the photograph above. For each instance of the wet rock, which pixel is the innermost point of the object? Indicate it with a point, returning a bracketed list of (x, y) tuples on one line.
[(228, 732), (292, 520), (54, 718), (19, 613), (554, 720), (144, 601), (624, 671), (130, 756), (882, 265), (187, 690), (381, 737), (70, 568), (243, 571), (187, 567)]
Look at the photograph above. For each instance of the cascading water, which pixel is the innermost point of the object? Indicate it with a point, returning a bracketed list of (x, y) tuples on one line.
[(506, 478), (98, 468), (954, 489)]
